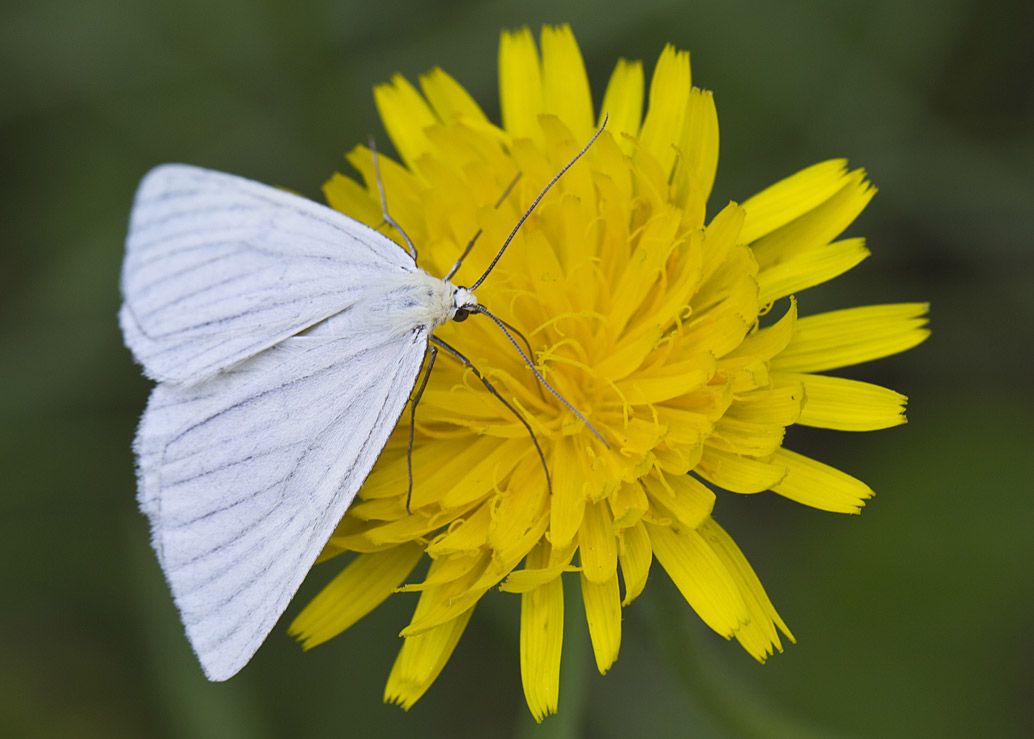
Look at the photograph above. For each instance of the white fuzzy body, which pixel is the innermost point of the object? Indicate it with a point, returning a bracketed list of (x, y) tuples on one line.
[(402, 302)]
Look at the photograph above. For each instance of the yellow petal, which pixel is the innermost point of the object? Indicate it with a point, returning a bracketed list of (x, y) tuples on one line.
[(669, 381), (349, 197), (809, 268), (520, 84), (542, 636), (564, 144), (723, 330), (845, 337), (445, 570), (780, 406), (449, 99), (666, 112), (747, 438), (442, 603), (405, 115), (569, 495), (530, 578), (629, 354), (628, 504), (565, 83), (792, 197), (652, 249), (766, 343), (720, 238), (700, 576), (405, 198), (635, 556), (754, 424), (421, 660), (672, 304), (819, 485), (597, 545), (758, 636), (684, 426), (623, 102), (464, 535), (468, 476), (846, 405), (673, 458), (739, 474), (689, 500), (521, 514), (603, 612), (698, 154), (359, 588), (819, 226)]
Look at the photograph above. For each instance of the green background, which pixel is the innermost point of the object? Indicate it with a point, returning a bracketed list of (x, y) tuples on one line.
[(913, 619)]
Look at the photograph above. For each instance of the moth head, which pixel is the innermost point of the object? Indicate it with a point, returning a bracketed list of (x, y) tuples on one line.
[(464, 303)]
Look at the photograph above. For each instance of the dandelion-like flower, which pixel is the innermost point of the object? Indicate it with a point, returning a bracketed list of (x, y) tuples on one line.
[(640, 311)]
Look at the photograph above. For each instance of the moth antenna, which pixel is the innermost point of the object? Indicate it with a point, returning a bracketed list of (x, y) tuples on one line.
[(384, 201), (527, 345), (538, 376), (491, 388), (536, 202)]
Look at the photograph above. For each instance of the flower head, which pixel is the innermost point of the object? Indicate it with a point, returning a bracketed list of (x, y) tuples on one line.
[(642, 312)]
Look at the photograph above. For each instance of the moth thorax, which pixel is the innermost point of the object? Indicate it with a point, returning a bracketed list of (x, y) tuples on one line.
[(405, 301)]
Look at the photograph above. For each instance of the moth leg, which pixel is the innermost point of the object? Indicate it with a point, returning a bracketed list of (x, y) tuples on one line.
[(411, 248), (503, 325), (432, 352), (491, 388)]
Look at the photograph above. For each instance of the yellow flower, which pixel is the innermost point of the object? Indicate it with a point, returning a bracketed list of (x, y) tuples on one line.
[(641, 312)]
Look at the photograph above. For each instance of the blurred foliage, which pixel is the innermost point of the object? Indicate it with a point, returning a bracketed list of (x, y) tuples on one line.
[(912, 620)]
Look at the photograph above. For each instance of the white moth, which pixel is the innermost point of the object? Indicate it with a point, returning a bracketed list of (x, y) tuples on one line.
[(285, 339)]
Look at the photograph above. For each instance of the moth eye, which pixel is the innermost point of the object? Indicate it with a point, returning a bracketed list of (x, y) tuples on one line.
[(461, 314)]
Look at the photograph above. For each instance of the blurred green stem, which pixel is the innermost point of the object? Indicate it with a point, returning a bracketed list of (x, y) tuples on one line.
[(732, 706)]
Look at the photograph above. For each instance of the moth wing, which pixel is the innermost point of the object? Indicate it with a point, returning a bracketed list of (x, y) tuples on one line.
[(219, 268), (244, 477)]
